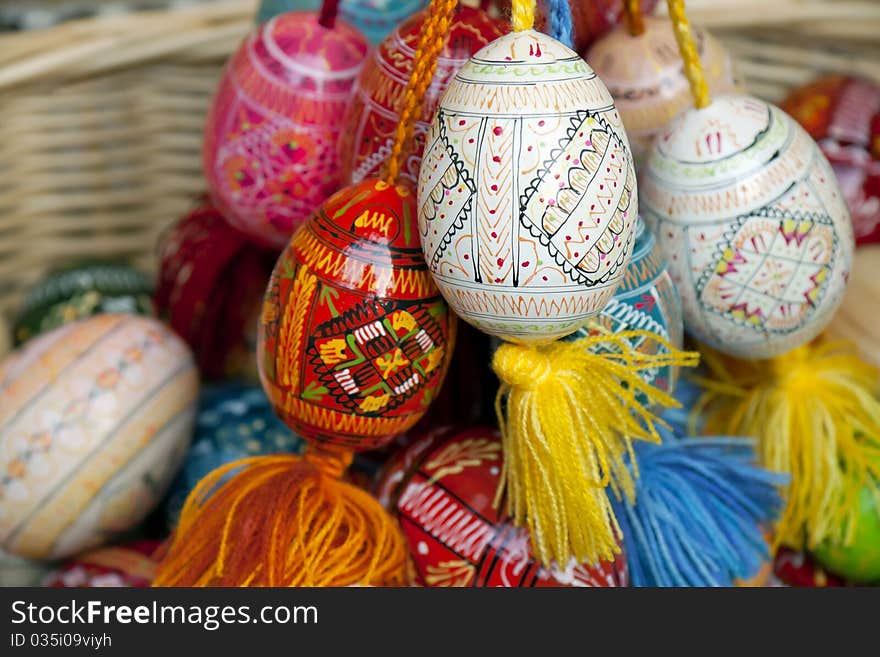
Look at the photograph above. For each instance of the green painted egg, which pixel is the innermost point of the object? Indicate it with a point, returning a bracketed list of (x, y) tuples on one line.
[(859, 561), (79, 290)]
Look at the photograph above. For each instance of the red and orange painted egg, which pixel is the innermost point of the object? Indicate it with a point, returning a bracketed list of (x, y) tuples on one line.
[(354, 339), (270, 151), (442, 488), (372, 118), (209, 289)]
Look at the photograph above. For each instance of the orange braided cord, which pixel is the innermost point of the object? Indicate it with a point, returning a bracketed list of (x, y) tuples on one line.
[(632, 14), (432, 40), (693, 69)]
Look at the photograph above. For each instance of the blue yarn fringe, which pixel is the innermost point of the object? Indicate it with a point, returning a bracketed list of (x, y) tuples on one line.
[(560, 21), (700, 507)]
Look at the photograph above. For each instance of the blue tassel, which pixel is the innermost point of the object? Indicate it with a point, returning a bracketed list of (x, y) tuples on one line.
[(700, 507), (560, 22)]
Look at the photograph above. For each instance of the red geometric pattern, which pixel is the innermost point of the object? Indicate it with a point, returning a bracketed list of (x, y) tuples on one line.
[(442, 491), (353, 355)]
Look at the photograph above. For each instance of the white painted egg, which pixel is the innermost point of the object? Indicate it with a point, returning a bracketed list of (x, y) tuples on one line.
[(645, 75), (95, 419), (753, 224), (527, 193)]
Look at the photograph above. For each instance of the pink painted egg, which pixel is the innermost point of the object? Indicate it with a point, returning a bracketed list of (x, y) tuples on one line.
[(441, 488), (753, 224), (645, 75), (95, 419), (270, 151)]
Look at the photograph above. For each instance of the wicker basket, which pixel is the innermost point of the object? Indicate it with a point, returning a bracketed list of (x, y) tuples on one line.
[(101, 132)]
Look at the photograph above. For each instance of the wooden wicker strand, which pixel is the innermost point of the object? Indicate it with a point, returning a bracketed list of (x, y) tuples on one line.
[(100, 142)]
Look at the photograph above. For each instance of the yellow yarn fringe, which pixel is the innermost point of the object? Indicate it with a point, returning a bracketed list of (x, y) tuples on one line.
[(567, 426), (522, 15), (693, 69), (816, 418)]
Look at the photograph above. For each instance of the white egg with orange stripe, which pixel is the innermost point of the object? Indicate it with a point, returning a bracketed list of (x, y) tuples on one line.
[(95, 419)]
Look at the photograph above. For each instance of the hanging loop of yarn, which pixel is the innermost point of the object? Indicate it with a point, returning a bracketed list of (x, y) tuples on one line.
[(816, 417), (431, 42), (687, 46), (522, 15), (561, 22), (351, 539), (328, 13), (632, 16), (568, 416)]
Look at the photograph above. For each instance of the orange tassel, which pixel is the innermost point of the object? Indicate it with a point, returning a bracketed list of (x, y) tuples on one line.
[(284, 521)]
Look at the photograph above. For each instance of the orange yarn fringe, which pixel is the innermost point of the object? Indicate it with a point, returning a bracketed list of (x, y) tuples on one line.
[(431, 42), (284, 521)]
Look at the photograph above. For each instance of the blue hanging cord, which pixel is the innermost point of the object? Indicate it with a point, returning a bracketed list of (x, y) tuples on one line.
[(560, 21)]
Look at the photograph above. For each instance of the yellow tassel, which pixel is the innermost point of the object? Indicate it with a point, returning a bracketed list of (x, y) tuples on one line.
[(522, 14), (567, 426), (816, 418)]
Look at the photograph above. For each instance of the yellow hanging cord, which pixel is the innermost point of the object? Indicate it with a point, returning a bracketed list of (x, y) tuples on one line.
[(816, 418), (632, 14), (431, 42), (522, 15), (567, 417), (693, 69)]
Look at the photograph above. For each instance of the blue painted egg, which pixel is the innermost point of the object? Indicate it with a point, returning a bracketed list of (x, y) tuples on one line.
[(234, 421), (645, 300)]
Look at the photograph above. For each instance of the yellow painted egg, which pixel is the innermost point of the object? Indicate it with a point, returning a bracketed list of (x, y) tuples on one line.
[(95, 419)]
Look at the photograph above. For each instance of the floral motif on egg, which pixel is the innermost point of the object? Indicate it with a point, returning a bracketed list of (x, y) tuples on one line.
[(272, 131), (527, 195)]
